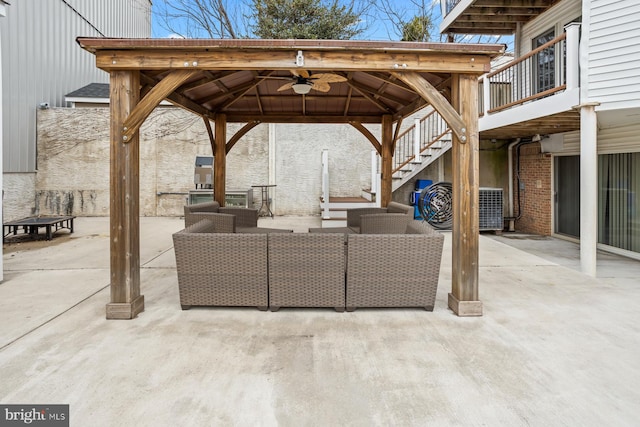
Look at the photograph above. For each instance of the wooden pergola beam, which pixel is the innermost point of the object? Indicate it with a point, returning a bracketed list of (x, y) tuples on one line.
[(212, 139), (159, 92), (464, 298), (126, 302), (240, 133), (220, 159), (439, 102), (372, 139), (284, 60), (386, 182)]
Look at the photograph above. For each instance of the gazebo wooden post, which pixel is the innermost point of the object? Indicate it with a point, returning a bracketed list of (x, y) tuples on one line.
[(387, 160), (463, 299), (220, 158), (126, 301)]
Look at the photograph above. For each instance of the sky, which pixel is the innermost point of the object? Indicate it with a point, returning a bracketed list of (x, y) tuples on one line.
[(378, 27)]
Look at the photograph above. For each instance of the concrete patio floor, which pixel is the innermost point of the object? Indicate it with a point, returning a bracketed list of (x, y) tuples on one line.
[(554, 347)]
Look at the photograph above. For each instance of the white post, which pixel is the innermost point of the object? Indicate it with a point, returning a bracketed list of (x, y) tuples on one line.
[(325, 184), (2, 14), (588, 188), (486, 94), (573, 55), (374, 172), (416, 140), (273, 137), (378, 196)]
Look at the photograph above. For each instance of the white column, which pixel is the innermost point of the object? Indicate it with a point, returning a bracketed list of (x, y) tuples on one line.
[(416, 140), (272, 166), (325, 184), (486, 94), (2, 14), (573, 55), (374, 172), (588, 188)]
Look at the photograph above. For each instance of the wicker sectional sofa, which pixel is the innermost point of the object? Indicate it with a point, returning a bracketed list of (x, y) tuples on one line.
[(338, 270)]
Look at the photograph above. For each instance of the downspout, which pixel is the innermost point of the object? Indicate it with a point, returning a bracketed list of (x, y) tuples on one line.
[(516, 54), (510, 154)]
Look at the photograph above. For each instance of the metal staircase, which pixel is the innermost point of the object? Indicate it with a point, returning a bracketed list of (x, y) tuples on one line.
[(416, 148)]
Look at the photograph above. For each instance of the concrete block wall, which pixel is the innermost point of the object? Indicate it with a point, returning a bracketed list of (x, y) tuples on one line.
[(298, 165), (73, 164), (18, 195)]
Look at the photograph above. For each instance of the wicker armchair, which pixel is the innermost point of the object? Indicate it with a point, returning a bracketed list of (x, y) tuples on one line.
[(222, 223), (230, 219), (354, 215), (221, 269), (189, 210), (394, 270), (245, 217)]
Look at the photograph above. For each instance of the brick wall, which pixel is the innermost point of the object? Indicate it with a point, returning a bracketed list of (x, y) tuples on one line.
[(535, 190)]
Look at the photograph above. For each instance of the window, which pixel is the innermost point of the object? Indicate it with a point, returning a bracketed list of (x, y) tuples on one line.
[(544, 77)]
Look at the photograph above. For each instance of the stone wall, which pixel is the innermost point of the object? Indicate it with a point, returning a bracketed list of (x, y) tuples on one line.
[(18, 195), (73, 162)]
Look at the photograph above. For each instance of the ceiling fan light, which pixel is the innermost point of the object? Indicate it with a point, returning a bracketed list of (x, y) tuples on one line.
[(301, 88)]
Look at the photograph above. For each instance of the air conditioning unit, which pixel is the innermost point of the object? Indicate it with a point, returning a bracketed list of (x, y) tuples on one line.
[(491, 209), (435, 205)]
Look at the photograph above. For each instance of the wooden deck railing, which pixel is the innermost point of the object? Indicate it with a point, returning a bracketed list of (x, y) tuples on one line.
[(415, 141), (540, 73)]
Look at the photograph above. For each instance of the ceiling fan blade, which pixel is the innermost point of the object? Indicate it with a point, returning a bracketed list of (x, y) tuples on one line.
[(300, 73), (321, 86), (328, 78), (286, 86)]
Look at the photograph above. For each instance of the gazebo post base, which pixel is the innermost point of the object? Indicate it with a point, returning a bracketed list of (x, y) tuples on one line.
[(465, 308), (125, 310)]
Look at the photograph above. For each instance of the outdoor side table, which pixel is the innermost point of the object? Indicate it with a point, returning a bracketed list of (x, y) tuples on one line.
[(265, 208), (32, 224)]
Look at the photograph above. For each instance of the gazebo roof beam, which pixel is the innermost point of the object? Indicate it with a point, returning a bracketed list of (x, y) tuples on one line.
[(285, 60)]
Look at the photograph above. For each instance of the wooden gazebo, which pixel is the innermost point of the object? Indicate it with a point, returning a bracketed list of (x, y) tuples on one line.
[(239, 80)]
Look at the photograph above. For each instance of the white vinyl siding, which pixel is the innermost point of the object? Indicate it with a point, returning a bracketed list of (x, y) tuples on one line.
[(621, 139), (556, 17), (41, 61), (614, 54)]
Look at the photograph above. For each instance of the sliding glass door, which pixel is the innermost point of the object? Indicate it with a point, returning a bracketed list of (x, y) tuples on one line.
[(619, 200), (567, 195)]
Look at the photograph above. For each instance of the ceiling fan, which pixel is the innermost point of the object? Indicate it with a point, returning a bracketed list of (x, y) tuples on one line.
[(303, 81)]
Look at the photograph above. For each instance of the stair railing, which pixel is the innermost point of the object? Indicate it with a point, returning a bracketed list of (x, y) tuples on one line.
[(414, 142)]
